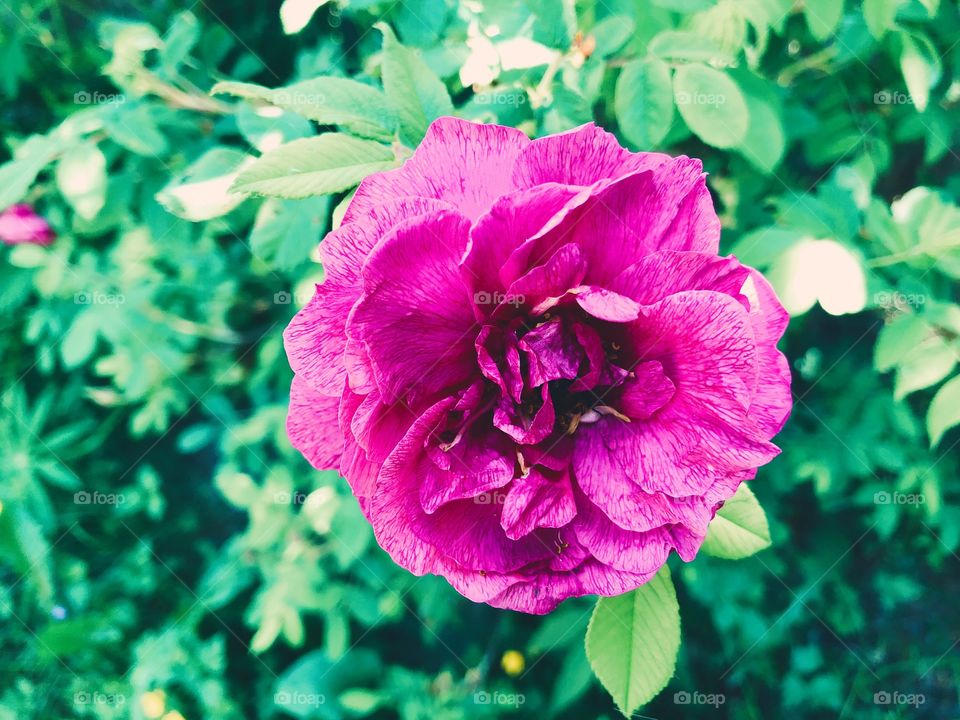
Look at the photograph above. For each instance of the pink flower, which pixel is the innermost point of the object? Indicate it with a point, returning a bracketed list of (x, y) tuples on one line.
[(20, 224), (532, 367)]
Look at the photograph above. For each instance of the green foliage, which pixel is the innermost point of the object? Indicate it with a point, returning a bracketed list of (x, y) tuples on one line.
[(633, 640), (739, 528), (164, 550)]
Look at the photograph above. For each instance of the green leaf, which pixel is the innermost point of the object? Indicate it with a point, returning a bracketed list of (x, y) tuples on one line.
[(360, 108), (823, 17), (643, 102), (319, 165), (921, 68), (897, 339), (17, 175), (285, 231), (944, 410), (711, 104), (632, 642), (927, 364), (82, 179), (311, 687), (879, 16), (179, 39), (739, 528), (612, 33), (686, 46), (202, 191), (412, 88), (765, 140)]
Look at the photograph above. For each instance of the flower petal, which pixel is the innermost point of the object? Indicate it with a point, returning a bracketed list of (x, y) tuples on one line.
[(312, 425), (415, 320), (466, 165)]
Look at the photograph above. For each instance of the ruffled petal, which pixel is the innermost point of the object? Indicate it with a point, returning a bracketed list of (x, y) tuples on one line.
[(463, 164), (312, 425), (538, 500), (582, 156), (415, 320)]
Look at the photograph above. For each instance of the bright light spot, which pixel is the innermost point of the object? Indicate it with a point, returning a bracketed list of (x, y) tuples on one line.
[(153, 703), (821, 271), (295, 14), (513, 662)]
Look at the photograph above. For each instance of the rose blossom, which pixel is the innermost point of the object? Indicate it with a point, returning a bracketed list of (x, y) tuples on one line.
[(20, 224), (531, 365)]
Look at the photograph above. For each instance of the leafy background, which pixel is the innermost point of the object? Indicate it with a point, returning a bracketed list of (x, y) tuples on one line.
[(164, 553)]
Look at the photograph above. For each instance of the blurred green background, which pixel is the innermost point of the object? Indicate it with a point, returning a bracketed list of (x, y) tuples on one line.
[(165, 553)]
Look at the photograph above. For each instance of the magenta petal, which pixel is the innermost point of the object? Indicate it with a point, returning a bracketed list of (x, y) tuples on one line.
[(611, 448), (562, 272), (552, 353), (464, 531), (493, 345), (772, 400), (19, 224), (466, 165), (512, 221), (516, 423), (646, 391), (316, 340), (666, 272), (536, 501), (312, 425), (606, 305), (415, 320), (582, 156), (479, 463)]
